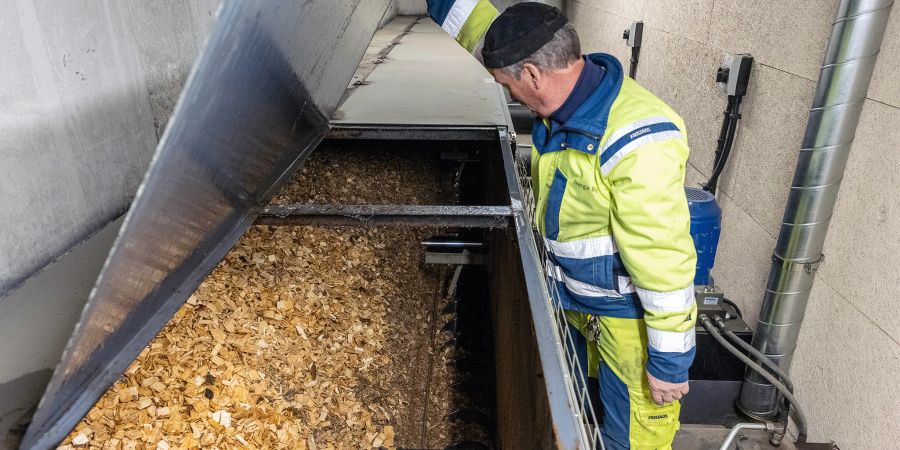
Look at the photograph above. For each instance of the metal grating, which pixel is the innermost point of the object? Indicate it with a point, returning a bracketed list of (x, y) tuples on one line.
[(577, 384), (698, 195)]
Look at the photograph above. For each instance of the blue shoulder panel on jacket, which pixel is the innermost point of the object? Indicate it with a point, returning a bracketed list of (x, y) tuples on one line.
[(586, 127), (438, 9)]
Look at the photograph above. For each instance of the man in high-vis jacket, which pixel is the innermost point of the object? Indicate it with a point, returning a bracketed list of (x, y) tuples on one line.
[(607, 168)]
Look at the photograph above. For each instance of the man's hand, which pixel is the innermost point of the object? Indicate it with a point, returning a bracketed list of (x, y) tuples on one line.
[(664, 392)]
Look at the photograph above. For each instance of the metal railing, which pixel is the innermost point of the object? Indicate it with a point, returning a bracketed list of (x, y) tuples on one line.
[(576, 375)]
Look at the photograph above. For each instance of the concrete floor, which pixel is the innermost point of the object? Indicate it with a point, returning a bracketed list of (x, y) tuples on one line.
[(702, 437)]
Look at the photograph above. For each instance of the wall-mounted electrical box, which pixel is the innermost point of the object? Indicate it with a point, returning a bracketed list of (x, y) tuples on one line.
[(734, 75), (634, 34)]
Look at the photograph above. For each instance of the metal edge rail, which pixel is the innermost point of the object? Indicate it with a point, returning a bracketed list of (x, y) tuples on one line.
[(379, 215), (411, 132), (567, 425)]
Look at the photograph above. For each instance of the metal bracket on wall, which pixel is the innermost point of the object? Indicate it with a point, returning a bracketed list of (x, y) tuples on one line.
[(810, 268), (813, 267)]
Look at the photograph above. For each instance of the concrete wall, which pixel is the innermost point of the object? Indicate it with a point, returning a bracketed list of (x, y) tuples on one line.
[(848, 356), (411, 7), (86, 89), (35, 324)]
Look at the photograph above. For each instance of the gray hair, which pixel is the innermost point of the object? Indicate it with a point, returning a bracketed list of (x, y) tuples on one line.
[(562, 50)]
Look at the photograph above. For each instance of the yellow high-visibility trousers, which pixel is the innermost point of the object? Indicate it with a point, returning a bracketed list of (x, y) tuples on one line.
[(618, 357)]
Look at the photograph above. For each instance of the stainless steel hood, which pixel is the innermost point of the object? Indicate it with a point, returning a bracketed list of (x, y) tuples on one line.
[(257, 101)]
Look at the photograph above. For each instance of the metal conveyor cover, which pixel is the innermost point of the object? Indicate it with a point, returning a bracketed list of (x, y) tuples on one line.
[(257, 101)]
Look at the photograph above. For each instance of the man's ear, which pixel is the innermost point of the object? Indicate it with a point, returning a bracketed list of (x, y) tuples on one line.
[(532, 75)]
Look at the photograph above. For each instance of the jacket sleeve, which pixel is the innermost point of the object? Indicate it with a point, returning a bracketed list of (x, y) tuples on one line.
[(466, 20), (651, 226)]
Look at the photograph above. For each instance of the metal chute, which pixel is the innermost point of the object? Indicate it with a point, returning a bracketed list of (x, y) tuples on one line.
[(257, 102)]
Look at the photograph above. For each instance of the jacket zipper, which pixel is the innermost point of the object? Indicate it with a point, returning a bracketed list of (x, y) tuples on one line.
[(583, 133)]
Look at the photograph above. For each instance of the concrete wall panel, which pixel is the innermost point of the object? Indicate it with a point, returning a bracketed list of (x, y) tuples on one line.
[(168, 36), (862, 253), (411, 8), (390, 13), (743, 259), (85, 91), (788, 35), (627, 9), (599, 31), (693, 177), (845, 371), (767, 147), (689, 88), (690, 19), (885, 87), (36, 322), (75, 146)]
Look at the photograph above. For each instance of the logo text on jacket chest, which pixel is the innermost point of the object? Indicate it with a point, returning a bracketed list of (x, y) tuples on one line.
[(583, 186)]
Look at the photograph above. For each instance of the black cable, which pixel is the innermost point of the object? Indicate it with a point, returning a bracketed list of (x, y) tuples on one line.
[(729, 140), (723, 132), (734, 305), (725, 142), (635, 56), (799, 416), (723, 151), (732, 131)]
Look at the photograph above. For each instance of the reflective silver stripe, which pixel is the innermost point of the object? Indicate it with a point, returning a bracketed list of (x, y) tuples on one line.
[(671, 341), (608, 166), (623, 132), (584, 248), (675, 301), (626, 286), (630, 128), (577, 287), (457, 16)]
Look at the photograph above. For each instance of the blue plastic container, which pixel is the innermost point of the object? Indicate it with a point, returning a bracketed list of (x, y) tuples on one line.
[(706, 225)]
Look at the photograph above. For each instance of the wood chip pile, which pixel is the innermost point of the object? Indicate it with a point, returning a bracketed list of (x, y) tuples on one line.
[(356, 174), (301, 338)]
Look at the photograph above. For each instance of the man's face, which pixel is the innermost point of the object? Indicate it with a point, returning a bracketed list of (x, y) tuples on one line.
[(522, 90)]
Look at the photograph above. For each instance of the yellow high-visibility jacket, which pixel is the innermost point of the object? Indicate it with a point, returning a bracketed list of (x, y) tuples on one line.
[(611, 205)]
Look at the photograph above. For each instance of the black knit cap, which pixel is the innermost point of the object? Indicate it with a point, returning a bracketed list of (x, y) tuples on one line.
[(519, 32)]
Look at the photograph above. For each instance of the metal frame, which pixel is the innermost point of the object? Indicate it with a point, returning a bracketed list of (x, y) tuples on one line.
[(573, 424), (378, 215), (412, 132)]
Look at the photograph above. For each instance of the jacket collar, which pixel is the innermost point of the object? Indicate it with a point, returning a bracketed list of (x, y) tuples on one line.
[(587, 125)]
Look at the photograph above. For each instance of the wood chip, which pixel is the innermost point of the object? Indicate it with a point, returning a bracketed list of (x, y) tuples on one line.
[(291, 339), (81, 438), (222, 418)]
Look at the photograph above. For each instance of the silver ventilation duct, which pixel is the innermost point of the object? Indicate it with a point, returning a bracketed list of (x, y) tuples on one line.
[(850, 57)]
